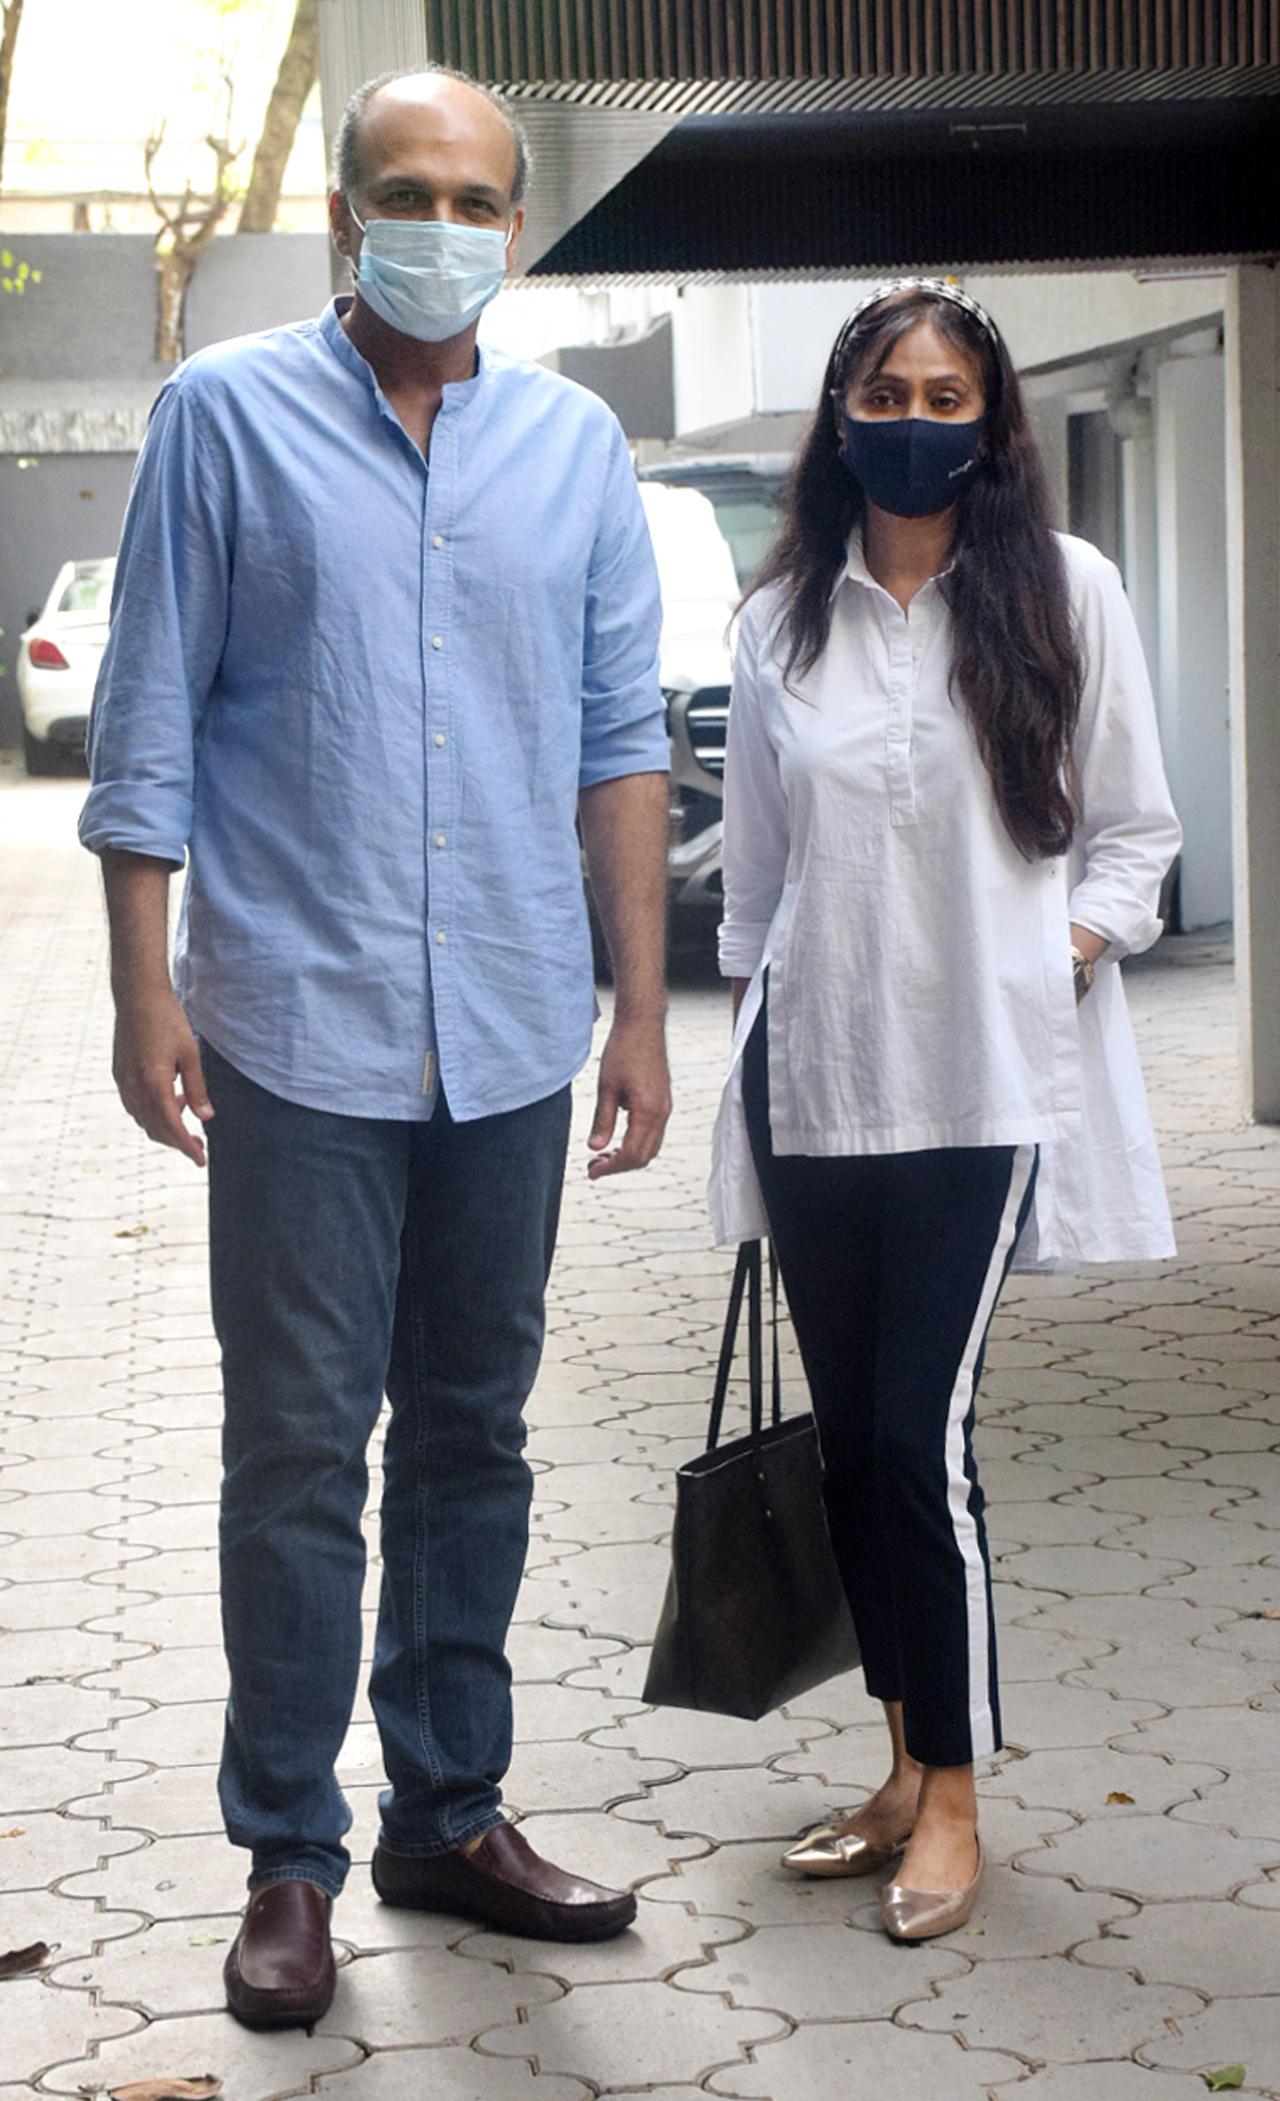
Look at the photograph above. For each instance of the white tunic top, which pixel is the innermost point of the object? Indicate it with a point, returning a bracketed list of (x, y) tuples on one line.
[(920, 989)]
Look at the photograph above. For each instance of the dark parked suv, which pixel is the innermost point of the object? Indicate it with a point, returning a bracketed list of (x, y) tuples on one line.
[(712, 521)]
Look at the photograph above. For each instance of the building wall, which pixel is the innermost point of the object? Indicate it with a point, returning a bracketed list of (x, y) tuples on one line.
[(712, 345), (1050, 317), (92, 316), (77, 375), (744, 352), (1191, 667)]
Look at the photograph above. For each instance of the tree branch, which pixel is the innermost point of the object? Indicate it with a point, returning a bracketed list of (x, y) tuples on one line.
[(294, 81), (184, 232), (10, 17)]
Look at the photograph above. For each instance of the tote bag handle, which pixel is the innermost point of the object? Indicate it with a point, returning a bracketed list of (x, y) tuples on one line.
[(747, 1281)]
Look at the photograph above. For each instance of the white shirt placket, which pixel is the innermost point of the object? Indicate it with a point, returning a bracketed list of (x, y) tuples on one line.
[(904, 652)]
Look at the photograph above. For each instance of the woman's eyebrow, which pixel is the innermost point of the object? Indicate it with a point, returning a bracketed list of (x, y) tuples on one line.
[(933, 379)]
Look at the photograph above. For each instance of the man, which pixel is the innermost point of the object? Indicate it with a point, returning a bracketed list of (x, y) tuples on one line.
[(386, 618)]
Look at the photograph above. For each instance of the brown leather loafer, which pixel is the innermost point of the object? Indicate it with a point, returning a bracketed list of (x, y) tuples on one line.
[(505, 1883), (280, 1972)]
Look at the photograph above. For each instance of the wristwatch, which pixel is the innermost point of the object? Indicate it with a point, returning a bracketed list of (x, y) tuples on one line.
[(1082, 973)]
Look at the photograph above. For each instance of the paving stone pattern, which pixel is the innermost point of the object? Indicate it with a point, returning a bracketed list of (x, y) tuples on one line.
[(1128, 1940)]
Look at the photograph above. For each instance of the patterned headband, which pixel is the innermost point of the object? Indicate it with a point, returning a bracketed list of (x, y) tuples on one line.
[(933, 285)]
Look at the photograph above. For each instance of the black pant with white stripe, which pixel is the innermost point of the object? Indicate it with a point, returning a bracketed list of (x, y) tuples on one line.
[(892, 1264)]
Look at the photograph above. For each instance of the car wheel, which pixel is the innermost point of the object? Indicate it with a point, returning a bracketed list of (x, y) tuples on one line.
[(40, 758)]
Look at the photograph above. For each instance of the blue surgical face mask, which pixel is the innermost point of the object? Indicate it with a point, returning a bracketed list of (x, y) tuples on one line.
[(427, 277), (910, 465)]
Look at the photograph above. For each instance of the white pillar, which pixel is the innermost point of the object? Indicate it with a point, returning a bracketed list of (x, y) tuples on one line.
[(1141, 569), (1191, 681), (1253, 568), (1048, 416)]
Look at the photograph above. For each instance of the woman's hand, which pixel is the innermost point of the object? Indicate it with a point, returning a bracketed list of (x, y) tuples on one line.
[(1090, 945), (1086, 947)]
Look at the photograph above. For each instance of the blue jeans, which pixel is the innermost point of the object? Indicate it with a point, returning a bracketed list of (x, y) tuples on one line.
[(351, 1256)]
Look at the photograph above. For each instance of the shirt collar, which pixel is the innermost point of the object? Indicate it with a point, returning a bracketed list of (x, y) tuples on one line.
[(457, 393), (855, 568)]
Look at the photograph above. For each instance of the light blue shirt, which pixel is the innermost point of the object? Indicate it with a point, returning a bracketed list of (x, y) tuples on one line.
[(365, 696)]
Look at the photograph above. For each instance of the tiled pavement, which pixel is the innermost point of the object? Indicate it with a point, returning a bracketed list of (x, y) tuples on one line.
[(1129, 1938)]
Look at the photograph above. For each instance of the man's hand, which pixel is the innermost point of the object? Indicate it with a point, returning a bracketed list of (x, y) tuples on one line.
[(633, 1077), (154, 1047), (624, 829)]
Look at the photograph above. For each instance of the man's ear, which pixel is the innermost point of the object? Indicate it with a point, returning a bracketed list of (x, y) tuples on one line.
[(341, 226), (517, 228)]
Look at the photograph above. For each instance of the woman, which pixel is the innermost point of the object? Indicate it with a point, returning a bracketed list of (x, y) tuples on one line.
[(944, 810)]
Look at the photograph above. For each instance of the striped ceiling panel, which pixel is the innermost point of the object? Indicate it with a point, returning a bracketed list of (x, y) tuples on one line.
[(662, 43)]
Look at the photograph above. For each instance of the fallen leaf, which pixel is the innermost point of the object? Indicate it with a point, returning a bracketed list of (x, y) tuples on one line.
[(18, 1831), (1226, 2076), (1117, 1795), (208, 1940), (132, 1232), (19, 1960), (197, 2089)]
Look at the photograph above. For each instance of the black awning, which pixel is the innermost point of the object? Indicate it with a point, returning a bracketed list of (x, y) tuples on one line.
[(855, 191)]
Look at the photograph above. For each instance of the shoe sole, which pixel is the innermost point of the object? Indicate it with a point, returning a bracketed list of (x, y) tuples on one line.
[(933, 1933), (264, 2021), (841, 1874), (601, 1930)]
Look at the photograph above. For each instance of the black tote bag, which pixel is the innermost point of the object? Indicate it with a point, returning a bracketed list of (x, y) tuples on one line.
[(755, 1613)]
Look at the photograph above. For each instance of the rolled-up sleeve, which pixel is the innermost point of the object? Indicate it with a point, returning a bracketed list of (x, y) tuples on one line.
[(1128, 832), (623, 719), (168, 627), (756, 831)]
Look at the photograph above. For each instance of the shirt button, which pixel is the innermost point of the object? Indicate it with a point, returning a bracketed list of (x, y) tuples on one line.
[(437, 641), (437, 539), (439, 740), (440, 839), (440, 940)]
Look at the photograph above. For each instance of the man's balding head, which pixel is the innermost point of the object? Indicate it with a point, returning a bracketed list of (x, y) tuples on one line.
[(384, 109)]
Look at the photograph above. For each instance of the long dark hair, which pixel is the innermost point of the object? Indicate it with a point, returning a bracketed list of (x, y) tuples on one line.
[(1016, 663)]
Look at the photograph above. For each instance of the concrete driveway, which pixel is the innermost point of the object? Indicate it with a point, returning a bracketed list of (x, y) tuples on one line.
[(1128, 1941)]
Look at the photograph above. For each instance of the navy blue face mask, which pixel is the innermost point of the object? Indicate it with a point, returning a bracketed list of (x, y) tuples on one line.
[(910, 465)]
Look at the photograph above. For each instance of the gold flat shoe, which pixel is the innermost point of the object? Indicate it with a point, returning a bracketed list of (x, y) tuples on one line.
[(835, 1850), (922, 1914)]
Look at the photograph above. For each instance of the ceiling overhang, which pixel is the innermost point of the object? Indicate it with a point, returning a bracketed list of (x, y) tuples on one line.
[(1020, 183), (691, 140)]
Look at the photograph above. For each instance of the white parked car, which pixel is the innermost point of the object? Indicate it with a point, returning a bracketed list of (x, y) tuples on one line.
[(58, 657)]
